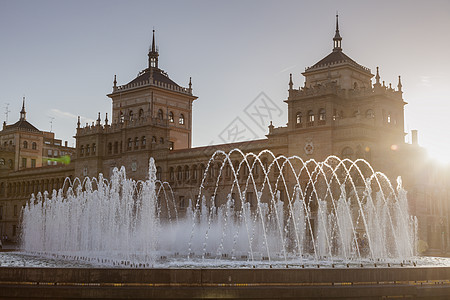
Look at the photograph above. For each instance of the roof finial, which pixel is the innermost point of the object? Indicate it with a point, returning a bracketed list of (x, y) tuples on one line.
[(115, 83), (78, 123), (153, 54), (23, 113), (377, 77), (337, 37), (106, 119), (290, 81), (153, 42), (190, 85), (399, 85)]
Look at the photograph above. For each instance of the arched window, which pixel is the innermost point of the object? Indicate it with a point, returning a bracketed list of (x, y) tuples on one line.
[(154, 139), (88, 149), (194, 172), (2, 161), (130, 114), (322, 114), (82, 150), (171, 174), (94, 148), (389, 118), (143, 142), (25, 144), (347, 152), (136, 143), (181, 119), (160, 115), (171, 120), (116, 147), (34, 146), (121, 118), (130, 144), (161, 140), (370, 114), (141, 113), (298, 118), (109, 148), (158, 173), (179, 174), (10, 163), (186, 173)]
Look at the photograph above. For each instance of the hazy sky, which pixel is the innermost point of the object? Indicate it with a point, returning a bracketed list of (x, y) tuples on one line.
[(62, 55)]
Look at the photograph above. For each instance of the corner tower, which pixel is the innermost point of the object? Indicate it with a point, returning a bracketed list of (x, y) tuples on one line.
[(151, 115)]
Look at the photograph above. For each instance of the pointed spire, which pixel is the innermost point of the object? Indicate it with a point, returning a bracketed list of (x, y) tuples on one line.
[(153, 42), (23, 113), (337, 37), (377, 77), (290, 81), (106, 119), (115, 83), (98, 119), (153, 54), (399, 85), (78, 123)]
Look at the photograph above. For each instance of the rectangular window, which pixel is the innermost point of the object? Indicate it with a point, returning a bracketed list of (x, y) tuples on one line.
[(170, 145), (1, 212), (24, 162), (33, 163), (55, 153), (49, 152), (15, 210), (182, 204), (14, 230)]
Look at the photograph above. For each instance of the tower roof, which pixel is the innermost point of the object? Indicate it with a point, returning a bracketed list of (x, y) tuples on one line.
[(337, 56), (156, 74)]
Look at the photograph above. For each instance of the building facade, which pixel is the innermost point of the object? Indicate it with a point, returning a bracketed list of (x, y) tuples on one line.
[(338, 110)]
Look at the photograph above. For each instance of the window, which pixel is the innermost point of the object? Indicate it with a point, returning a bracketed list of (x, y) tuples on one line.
[(82, 150), (161, 140), (171, 174), (322, 114), (24, 162), (143, 142), (121, 118), (171, 120), (88, 150), (14, 231), (158, 173), (154, 139), (1, 212), (186, 173), (310, 116), (179, 174), (10, 163), (15, 210), (181, 119), (33, 163), (299, 118), (55, 153), (109, 148), (136, 143), (2, 161), (49, 152), (130, 114), (130, 144), (160, 115), (141, 113), (25, 144), (182, 204), (94, 148), (170, 145), (34, 146), (116, 147)]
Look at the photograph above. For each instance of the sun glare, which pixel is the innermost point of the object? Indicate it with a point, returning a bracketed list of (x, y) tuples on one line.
[(440, 154)]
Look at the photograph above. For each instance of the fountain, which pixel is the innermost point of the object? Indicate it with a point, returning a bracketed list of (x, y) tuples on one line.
[(250, 210)]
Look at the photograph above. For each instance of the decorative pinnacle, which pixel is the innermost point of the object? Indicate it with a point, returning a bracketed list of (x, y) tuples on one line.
[(23, 112), (337, 37), (290, 81), (399, 85), (115, 81), (78, 123), (153, 42), (106, 119), (377, 77)]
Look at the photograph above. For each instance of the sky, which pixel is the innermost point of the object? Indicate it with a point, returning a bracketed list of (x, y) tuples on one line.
[(63, 55)]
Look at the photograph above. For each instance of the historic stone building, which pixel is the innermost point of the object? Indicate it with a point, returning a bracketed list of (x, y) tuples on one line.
[(30, 161), (337, 111)]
